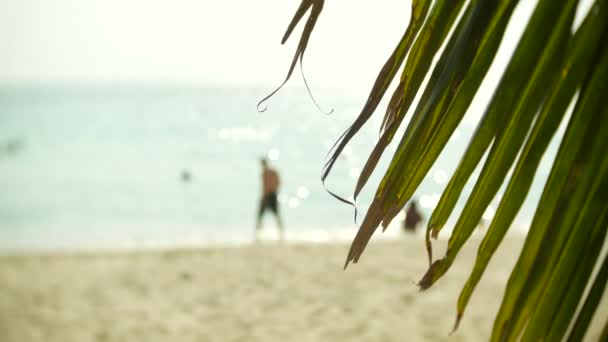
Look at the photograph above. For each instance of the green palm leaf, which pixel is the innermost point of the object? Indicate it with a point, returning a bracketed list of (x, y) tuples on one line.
[(425, 118), (418, 62), (384, 79), (507, 143), (548, 67), (552, 223), (576, 65), (513, 80), (555, 327), (591, 303)]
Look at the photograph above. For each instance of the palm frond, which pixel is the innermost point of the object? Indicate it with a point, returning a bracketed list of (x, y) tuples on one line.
[(553, 291), (315, 7), (576, 66), (507, 142), (384, 79)]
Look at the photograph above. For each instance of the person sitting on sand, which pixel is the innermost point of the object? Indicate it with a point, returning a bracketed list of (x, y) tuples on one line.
[(270, 187), (412, 218)]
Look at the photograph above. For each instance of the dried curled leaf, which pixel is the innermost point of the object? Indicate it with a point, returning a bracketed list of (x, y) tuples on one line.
[(315, 7)]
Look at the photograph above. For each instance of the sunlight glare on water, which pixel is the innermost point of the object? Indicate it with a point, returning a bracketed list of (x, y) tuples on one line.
[(274, 154), (303, 192), (94, 171)]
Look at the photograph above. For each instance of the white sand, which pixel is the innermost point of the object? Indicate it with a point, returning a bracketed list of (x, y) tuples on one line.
[(258, 293)]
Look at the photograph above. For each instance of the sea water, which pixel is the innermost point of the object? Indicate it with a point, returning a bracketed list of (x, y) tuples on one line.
[(101, 166)]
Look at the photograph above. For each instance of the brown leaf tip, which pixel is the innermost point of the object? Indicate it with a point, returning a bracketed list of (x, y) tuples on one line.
[(434, 232), (457, 323), (428, 279)]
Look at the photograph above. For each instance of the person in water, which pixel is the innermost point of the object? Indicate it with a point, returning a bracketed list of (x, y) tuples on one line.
[(186, 176), (269, 201), (412, 218)]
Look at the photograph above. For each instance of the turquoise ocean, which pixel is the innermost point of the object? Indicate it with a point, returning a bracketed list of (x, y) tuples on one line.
[(87, 167)]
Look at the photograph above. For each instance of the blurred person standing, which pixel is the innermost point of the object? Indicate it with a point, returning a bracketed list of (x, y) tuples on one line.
[(269, 200)]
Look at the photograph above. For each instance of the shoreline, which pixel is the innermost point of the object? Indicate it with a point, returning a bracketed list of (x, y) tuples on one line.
[(128, 245)]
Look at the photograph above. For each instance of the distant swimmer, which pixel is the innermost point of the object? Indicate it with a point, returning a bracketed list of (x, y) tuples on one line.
[(186, 177), (412, 218), (11, 147), (269, 201)]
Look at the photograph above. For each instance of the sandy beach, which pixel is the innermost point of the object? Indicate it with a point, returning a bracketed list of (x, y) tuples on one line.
[(264, 292)]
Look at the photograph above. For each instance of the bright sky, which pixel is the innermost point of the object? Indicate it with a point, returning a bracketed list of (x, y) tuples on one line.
[(200, 41), (195, 41)]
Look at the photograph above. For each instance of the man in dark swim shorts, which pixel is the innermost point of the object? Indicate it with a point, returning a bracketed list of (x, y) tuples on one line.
[(269, 201)]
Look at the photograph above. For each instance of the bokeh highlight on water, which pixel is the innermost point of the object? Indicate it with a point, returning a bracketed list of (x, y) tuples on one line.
[(99, 166)]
